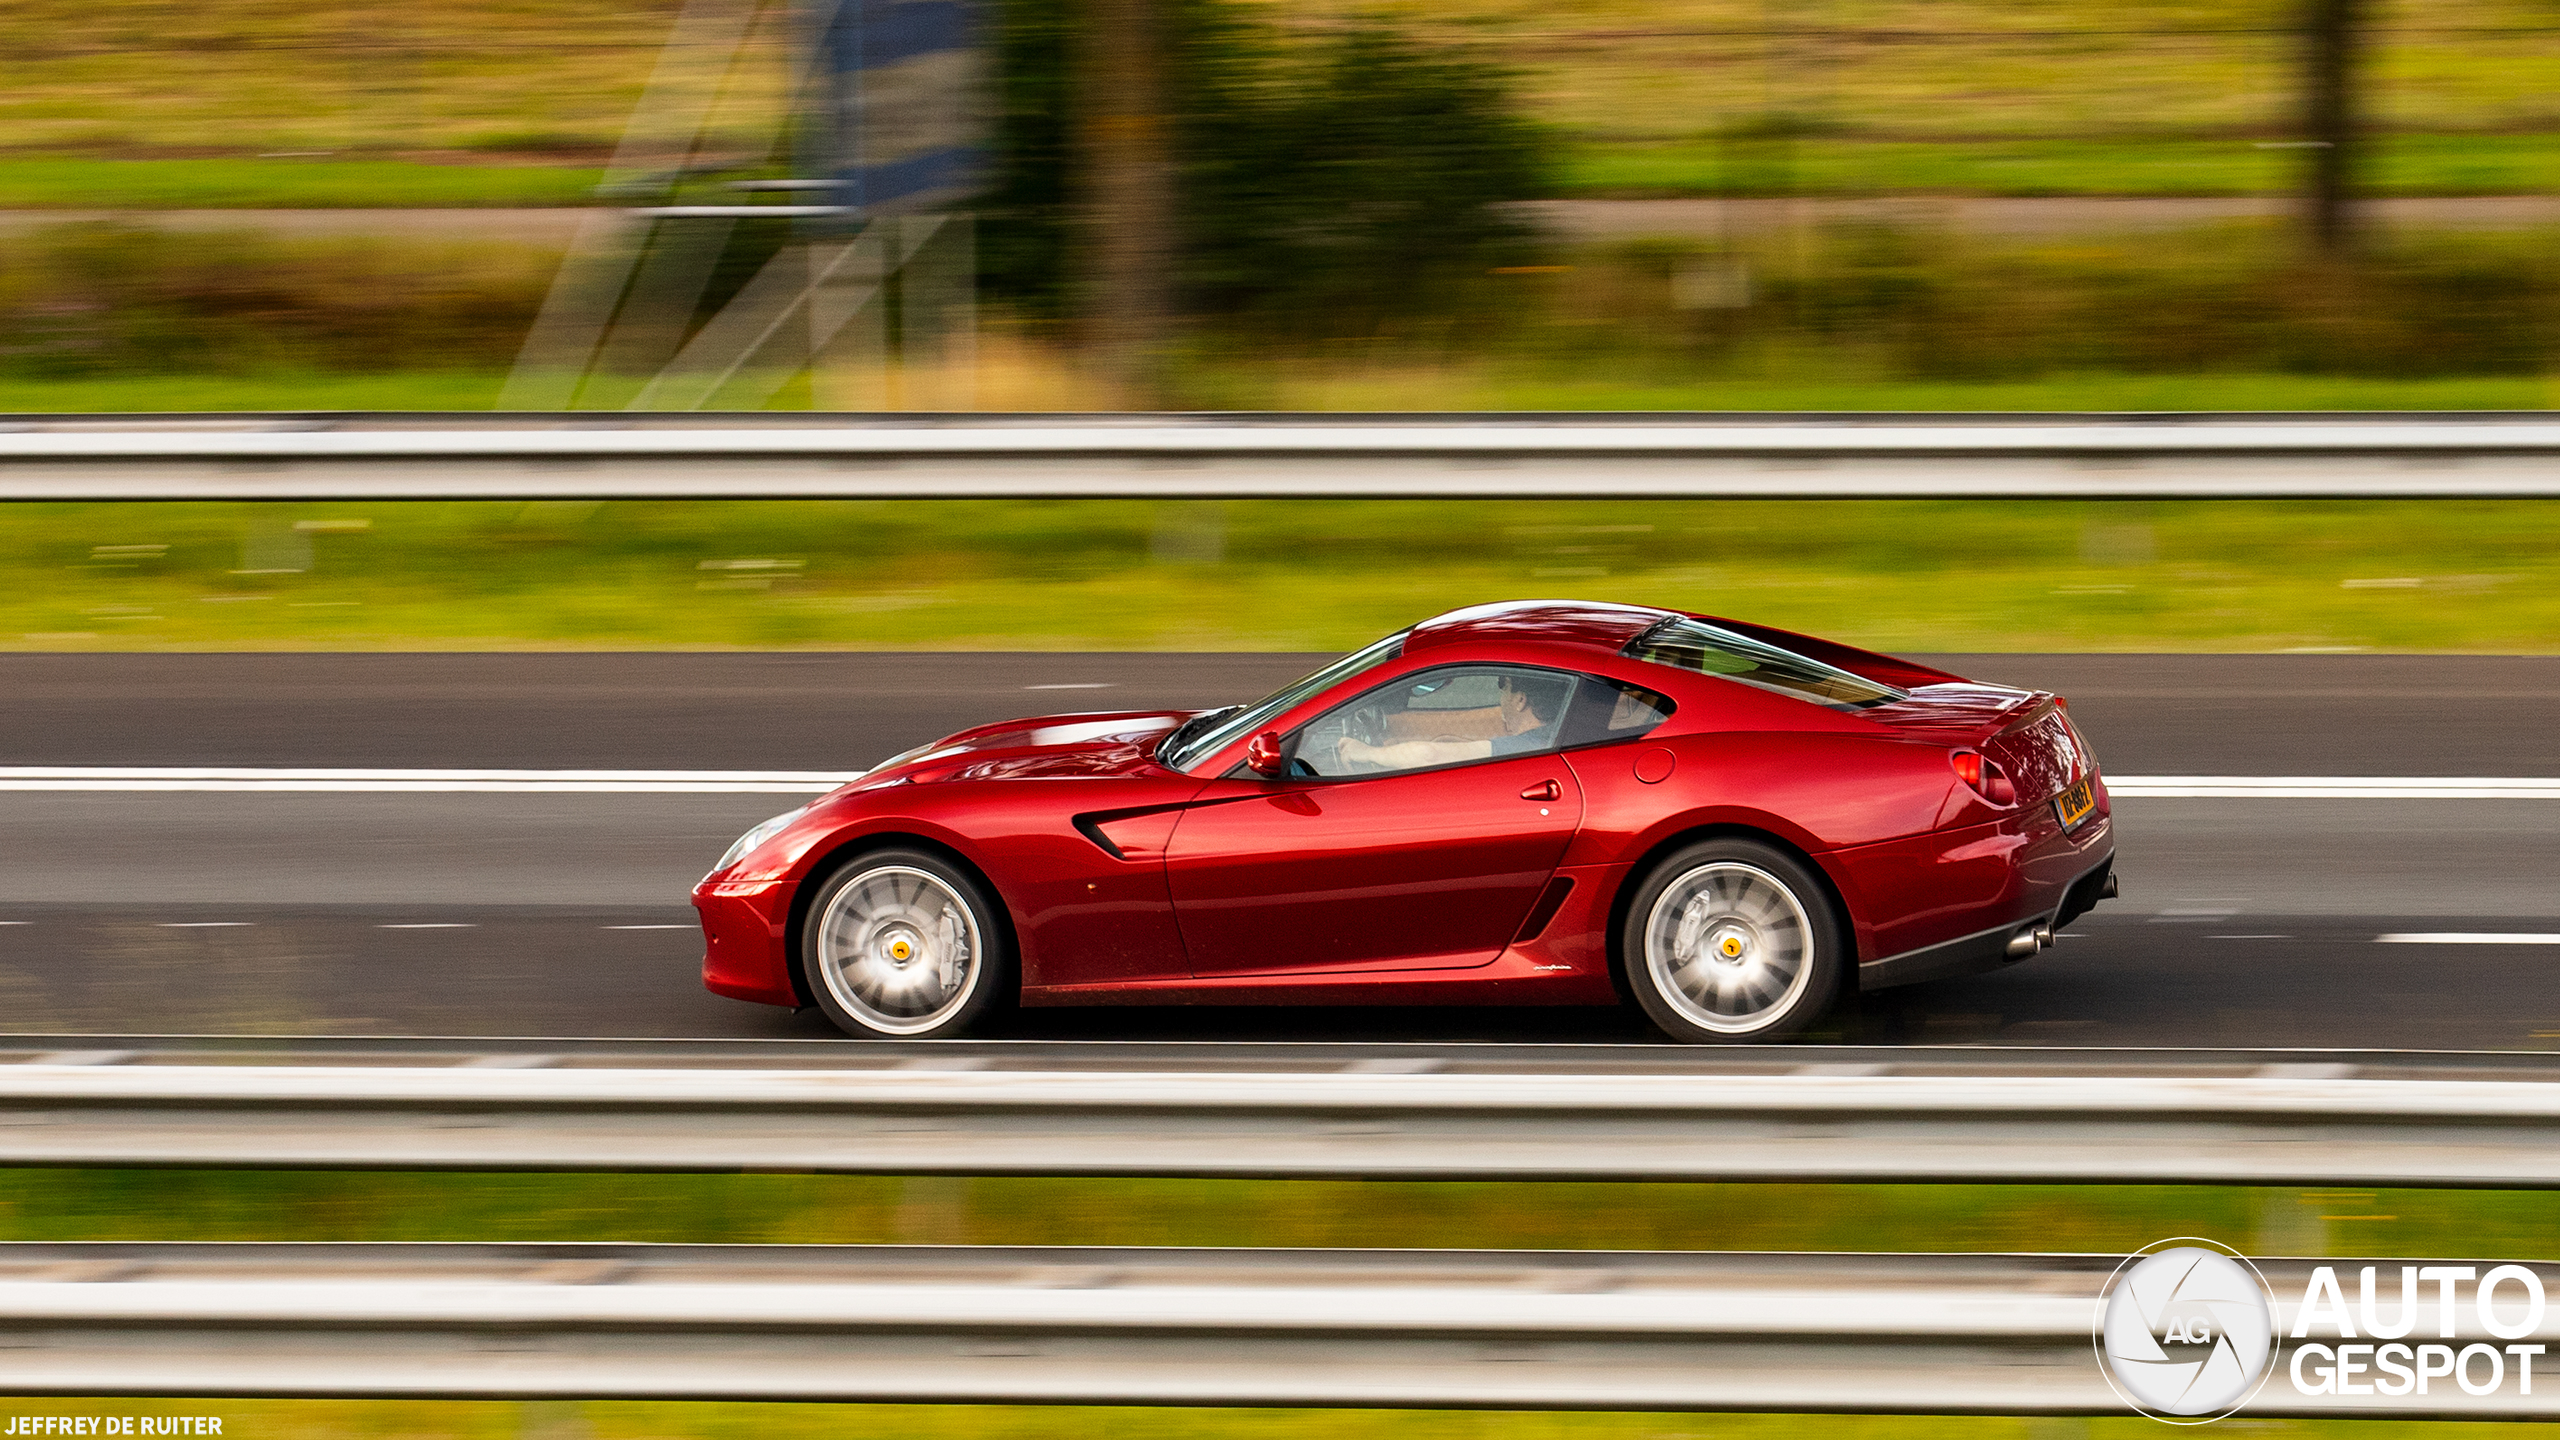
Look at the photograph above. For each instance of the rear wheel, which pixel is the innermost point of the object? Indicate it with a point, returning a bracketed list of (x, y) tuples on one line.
[(1731, 941), (901, 944)]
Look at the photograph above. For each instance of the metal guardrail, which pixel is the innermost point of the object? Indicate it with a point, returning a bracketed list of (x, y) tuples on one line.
[(1634, 1060), (323, 457), (2284, 1127), (1544, 1330)]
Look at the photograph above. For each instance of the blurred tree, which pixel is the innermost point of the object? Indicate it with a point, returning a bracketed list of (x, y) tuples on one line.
[(2330, 37), (1357, 173), (1126, 172), (1338, 175), (1022, 220)]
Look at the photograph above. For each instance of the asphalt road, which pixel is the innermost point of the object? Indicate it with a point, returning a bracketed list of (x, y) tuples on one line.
[(2244, 922), (2147, 714)]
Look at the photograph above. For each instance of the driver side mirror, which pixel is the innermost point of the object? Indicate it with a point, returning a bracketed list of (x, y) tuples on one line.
[(1262, 755)]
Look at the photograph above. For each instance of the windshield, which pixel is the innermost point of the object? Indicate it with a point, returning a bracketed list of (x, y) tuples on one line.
[(1712, 650), (1193, 749)]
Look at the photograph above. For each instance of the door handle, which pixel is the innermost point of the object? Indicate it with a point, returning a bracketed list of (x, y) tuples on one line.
[(1543, 790)]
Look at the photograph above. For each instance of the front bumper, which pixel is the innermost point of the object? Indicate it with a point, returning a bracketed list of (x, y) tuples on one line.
[(746, 948)]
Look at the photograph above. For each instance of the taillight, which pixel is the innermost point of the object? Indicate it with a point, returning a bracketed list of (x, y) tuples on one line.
[(1984, 777)]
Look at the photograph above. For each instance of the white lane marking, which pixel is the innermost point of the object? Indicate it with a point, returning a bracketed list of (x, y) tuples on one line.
[(2332, 787), (483, 782), (432, 925), (649, 927), (1086, 685), (2464, 937), (206, 924), (17, 922)]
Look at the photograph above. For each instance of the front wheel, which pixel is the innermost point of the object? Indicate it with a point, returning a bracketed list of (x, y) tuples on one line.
[(900, 944), (1732, 941)]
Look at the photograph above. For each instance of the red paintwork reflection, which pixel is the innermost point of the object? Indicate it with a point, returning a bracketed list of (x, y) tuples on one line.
[(1434, 870), (1123, 880)]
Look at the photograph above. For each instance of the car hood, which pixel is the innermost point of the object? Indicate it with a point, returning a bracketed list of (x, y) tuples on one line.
[(1062, 747)]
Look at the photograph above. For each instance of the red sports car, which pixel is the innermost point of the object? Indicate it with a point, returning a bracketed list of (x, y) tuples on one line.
[(1538, 803)]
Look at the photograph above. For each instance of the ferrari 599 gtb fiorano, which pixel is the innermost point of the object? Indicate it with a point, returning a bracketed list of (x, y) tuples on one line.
[(1535, 803)]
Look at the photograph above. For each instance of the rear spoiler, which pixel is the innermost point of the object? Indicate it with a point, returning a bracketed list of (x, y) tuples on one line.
[(1883, 669), (2035, 707)]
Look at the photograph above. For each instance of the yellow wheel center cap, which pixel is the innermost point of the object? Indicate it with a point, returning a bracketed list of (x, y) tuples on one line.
[(1732, 947), (900, 950)]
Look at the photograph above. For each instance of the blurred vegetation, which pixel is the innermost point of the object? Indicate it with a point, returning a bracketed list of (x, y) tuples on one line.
[(1271, 575), (231, 182), (497, 82), (1744, 164), (1389, 383), (319, 1205), (741, 1420), (1306, 166), (102, 298), (1641, 70), (1783, 163), (1839, 308), (1914, 306)]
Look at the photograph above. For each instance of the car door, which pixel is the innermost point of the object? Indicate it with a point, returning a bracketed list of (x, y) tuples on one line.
[(1396, 867)]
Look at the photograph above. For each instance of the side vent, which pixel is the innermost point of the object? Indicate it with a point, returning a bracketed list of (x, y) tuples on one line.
[(1131, 835), (1549, 902)]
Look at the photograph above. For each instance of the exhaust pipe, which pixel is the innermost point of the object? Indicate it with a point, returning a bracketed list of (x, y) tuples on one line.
[(2030, 940), (2108, 890)]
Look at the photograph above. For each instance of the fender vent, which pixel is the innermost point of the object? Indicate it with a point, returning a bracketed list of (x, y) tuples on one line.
[(1549, 902)]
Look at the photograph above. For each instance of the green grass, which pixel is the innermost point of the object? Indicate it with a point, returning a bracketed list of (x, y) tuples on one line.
[(317, 1206), (1284, 385), (1513, 388), (2399, 165), (1289, 575), (270, 390), (2396, 165), (68, 182)]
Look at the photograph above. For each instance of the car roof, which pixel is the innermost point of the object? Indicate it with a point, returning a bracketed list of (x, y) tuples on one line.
[(1571, 622)]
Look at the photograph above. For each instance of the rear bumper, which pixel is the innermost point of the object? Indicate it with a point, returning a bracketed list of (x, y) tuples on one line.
[(1993, 947), (745, 951)]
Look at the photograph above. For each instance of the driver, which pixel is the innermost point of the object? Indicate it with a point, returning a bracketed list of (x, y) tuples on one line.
[(1528, 711)]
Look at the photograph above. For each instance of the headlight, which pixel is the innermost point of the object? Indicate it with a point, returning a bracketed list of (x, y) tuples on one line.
[(754, 838)]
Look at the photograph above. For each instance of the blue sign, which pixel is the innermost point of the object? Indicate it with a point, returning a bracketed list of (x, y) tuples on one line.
[(909, 104)]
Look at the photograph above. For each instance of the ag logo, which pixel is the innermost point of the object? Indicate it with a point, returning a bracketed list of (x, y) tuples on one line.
[(2186, 1330)]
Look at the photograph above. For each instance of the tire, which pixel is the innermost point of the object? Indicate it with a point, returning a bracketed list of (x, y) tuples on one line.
[(1730, 942), (905, 945)]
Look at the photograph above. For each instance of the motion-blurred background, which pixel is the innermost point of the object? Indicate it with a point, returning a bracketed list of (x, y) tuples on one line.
[(1277, 204), (1299, 204)]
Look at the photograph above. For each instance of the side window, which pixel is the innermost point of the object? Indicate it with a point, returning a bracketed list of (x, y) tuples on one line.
[(1439, 717), (1607, 710)]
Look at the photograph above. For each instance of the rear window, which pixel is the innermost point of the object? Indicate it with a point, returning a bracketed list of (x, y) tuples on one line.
[(1712, 650), (1607, 710)]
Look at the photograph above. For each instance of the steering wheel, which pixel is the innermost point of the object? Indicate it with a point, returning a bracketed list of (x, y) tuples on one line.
[(1367, 725)]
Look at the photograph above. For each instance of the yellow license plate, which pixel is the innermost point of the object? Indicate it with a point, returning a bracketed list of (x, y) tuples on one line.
[(2074, 804)]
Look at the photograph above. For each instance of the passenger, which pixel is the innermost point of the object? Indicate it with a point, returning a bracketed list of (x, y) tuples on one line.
[(1528, 715)]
